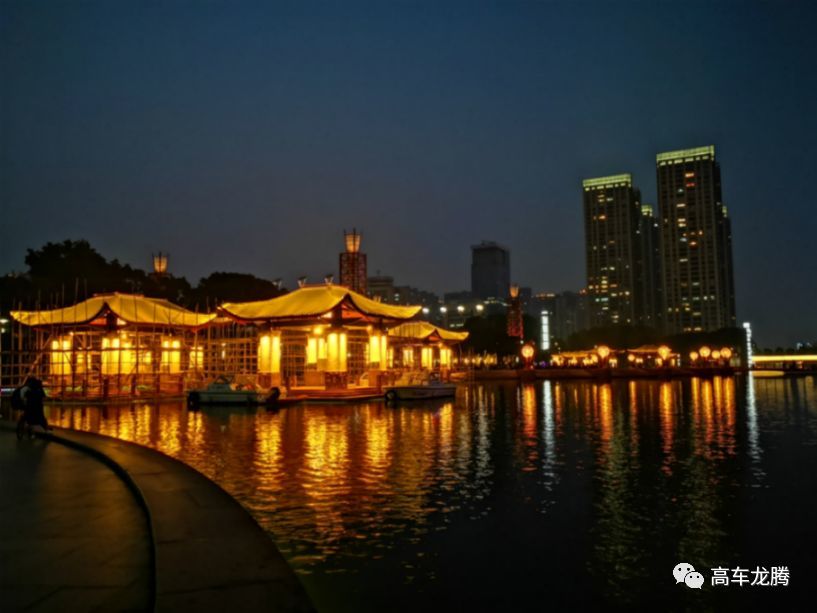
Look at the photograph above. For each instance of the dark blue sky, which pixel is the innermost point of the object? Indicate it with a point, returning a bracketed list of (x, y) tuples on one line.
[(245, 136)]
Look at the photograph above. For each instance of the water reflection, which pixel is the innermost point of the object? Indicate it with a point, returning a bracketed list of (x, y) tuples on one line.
[(617, 480)]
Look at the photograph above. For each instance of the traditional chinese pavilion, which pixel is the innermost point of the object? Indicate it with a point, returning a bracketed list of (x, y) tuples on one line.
[(324, 336), (113, 346)]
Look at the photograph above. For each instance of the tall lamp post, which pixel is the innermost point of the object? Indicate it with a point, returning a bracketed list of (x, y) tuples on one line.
[(664, 354), (603, 352), (527, 354)]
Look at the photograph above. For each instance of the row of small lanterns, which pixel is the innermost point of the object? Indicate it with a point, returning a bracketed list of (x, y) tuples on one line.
[(704, 355)]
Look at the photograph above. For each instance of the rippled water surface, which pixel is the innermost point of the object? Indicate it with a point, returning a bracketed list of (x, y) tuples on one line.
[(573, 494)]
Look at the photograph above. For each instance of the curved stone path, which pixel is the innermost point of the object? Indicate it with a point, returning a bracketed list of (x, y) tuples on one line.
[(72, 535), (199, 549)]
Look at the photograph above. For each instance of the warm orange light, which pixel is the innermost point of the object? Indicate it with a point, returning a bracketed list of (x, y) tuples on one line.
[(427, 357), (171, 358), (716, 355), (378, 350), (269, 353), (705, 352), (197, 357), (60, 364), (693, 355), (664, 352), (336, 352), (631, 357), (527, 351), (726, 353), (603, 351)]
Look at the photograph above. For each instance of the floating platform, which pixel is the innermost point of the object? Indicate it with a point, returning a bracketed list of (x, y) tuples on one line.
[(319, 394)]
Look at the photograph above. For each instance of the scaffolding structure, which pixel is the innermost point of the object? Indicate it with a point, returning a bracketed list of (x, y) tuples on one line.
[(323, 338), (109, 346)]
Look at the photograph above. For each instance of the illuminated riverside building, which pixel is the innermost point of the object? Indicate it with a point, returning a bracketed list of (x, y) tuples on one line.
[(696, 238), (317, 338), (112, 345), (612, 218)]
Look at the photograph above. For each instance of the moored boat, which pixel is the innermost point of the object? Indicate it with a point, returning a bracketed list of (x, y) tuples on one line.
[(225, 392), (421, 391)]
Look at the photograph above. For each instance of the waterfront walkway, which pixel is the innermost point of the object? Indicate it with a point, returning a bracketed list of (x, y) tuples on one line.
[(203, 551), (72, 536)]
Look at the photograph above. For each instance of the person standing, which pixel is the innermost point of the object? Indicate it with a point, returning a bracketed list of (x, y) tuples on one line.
[(31, 399)]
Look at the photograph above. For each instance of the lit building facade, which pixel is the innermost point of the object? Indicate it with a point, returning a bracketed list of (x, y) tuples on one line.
[(490, 271), (696, 237), (353, 264), (612, 217), (567, 312)]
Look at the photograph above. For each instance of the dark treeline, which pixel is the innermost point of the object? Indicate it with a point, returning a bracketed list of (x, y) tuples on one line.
[(60, 274)]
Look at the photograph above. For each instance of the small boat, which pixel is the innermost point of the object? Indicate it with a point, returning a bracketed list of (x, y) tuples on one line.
[(224, 391), (421, 391)]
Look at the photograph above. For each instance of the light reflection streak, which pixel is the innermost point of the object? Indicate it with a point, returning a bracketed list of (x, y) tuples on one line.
[(751, 418), (333, 483)]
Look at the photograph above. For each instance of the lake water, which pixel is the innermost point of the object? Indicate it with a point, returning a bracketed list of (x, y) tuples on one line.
[(553, 495)]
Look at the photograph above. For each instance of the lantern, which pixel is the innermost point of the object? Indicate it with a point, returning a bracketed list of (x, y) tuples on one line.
[(705, 352), (269, 354), (726, 353), (603, 351), (664, 352)]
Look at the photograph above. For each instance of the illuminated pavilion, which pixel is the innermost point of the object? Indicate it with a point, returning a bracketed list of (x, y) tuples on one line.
[(320, 337), (325, 339), (424, 346), (111, 346)]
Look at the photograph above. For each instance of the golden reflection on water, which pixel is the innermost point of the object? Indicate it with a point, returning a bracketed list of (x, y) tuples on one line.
[(339, 482)]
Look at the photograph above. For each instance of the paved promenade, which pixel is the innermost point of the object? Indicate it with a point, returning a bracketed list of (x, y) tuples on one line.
[(72, 536), (175, 541)]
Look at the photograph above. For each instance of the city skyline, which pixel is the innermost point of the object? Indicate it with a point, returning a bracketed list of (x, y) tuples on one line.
[(245, 140)]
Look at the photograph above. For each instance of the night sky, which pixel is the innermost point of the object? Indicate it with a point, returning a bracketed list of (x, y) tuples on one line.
[(246, 136)]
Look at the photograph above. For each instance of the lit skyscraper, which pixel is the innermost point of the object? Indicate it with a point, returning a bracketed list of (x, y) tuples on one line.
[(612, 217), (696, 242)]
